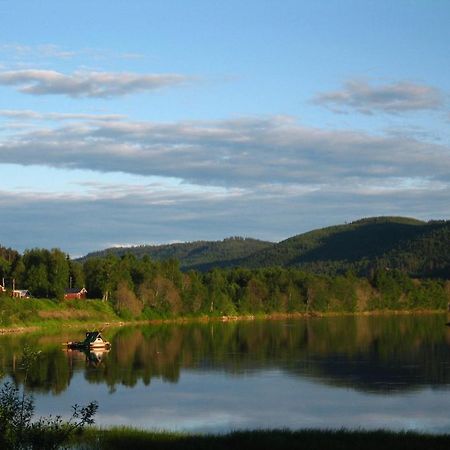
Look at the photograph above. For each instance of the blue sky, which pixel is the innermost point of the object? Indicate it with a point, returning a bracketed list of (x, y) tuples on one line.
[(154, 122)]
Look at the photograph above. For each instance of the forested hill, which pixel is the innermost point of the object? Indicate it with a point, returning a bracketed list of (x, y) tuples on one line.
[(421, 249), (416, 247), (199, 255)]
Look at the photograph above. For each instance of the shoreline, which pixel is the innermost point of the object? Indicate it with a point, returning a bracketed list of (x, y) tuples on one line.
[(206, 319)]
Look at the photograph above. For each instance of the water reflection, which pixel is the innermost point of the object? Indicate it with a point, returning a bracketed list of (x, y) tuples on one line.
[(370, 354), (93, 358)]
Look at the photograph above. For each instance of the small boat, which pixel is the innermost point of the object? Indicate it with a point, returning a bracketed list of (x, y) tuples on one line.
[(93, 340)]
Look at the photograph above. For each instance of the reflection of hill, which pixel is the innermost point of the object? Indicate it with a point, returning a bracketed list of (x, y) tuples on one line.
[(375, 354)]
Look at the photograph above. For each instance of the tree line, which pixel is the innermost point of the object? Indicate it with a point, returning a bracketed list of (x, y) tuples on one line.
[(144, 288)]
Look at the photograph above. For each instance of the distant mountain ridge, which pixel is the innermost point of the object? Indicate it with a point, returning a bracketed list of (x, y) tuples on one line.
[(198, 255), (416, 247)]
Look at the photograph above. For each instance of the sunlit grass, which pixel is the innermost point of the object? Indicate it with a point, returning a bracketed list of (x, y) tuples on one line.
[(51, 313)]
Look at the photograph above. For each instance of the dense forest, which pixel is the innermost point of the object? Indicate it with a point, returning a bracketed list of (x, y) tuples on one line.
[(198, 255), (146, 289), (371, 264), (421, 249)]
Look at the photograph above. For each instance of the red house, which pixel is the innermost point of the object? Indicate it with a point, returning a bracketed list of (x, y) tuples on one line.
[(74, 293)]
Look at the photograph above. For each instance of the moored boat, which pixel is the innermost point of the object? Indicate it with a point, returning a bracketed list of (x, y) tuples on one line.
[(93, 340)]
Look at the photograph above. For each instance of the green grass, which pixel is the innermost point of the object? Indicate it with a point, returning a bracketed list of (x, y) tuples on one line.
[(123, 438), (48, 313)]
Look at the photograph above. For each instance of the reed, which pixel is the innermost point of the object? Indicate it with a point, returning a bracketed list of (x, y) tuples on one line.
[(123, 437)]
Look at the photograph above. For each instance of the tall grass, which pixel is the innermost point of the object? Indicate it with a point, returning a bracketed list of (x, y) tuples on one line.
[(122, 438)]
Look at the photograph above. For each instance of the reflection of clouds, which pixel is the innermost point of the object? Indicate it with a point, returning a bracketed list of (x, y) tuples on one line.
[(214, 402)]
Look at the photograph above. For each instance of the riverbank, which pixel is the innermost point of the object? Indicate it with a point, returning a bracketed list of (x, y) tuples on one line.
[(119, 438), (23, 315), (32, 315)]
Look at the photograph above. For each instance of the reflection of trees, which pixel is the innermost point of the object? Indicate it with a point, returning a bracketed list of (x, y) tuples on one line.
[(368, 352), (51, 373)]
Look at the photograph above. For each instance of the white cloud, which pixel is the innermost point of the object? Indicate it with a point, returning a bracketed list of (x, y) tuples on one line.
[(23, 52), (24, 114), (264, 177), (238, 153), (88, 83), (389, 98), (108, 214), (43, 50)]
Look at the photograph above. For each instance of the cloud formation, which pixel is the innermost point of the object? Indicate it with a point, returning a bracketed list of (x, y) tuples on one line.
[(278, 177), (25, 114), (143, 214), (15, 51), (241, 152), (43, 50), (88, 83), (390, 98)]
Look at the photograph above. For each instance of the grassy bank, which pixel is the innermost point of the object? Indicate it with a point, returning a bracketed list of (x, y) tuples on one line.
[(33, 314), (37, 313), (120, 438)]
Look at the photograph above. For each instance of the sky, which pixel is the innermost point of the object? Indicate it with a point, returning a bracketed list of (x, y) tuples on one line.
[(129, 123)]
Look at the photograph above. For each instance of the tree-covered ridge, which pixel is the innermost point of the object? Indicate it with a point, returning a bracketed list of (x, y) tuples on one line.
[(419, 248), (198, 255), (391, 248)]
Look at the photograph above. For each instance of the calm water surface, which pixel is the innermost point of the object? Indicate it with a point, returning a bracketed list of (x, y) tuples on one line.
[(355, 372)]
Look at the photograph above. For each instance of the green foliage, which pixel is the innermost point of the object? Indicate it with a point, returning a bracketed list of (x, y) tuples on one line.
[(412, 246), (142, 289), (417, 248), (313, 272), (35, 312), (45, 272)]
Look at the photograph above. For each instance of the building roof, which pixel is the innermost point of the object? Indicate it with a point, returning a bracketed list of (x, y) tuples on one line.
[(75, 291)]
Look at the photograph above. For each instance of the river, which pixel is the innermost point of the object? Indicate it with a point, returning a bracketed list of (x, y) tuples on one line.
[(366, 372)]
